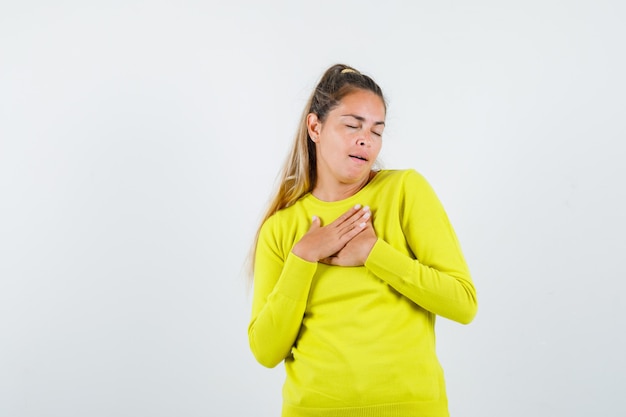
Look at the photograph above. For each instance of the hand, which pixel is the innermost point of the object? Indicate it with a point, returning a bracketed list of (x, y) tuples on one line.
[(356, 251), (322, 242)]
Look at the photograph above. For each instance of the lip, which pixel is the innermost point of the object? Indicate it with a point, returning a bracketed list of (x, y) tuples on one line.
[(359, 157)]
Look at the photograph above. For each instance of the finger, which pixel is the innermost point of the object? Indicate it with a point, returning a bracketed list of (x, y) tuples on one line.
[(349, 233), (315, 223), (367, 214), (361, 216), (355, 221), (346, 216)]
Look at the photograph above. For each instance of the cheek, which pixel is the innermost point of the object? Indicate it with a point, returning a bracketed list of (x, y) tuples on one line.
[(378, 145)]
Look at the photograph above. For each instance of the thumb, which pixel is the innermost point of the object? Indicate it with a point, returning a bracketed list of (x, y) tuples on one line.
[(315, 223)]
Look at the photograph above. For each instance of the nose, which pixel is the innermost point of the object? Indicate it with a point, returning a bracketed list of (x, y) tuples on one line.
[(364, 140)]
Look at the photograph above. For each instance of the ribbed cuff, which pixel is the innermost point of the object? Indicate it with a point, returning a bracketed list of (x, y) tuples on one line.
[(296, 277)]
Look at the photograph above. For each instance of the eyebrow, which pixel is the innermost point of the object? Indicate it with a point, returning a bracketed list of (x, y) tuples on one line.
[(362, 119)]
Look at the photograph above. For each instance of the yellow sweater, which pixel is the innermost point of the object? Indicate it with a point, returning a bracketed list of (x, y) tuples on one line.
[(360, 341)]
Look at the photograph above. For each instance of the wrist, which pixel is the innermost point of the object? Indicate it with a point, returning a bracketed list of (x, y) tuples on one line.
[(303, 254), (370, 245)]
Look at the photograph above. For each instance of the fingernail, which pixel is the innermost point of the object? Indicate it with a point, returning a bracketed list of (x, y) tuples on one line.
[(366, 208), (358, 206), (362, 224), (314, 218), (367, 215)]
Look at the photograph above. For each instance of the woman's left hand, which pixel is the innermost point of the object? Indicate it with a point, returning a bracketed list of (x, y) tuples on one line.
[(356, 251)]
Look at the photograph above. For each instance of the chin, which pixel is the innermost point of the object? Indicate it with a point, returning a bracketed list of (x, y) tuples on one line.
[(354, 178)]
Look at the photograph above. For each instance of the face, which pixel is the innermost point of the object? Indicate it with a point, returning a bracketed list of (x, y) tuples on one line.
[(349, 140)]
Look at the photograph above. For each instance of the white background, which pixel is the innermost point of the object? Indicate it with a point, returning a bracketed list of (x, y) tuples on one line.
[(139, 143)]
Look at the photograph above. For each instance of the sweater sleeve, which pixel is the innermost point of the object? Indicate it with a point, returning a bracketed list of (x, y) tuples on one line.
[(281, 287), (437, 277)]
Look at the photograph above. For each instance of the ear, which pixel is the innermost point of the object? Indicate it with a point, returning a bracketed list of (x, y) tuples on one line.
[(314, 126)]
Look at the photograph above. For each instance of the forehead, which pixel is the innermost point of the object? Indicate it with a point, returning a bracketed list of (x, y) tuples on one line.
[(363, 103)]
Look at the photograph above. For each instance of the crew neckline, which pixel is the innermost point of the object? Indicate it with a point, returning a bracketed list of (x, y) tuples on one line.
[(350, 199)]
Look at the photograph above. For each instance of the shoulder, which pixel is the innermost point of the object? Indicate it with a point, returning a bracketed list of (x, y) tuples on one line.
[(409, 186), (273, 222), (283, 218), (402, 177)]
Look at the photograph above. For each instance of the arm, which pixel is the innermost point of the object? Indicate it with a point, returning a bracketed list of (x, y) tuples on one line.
[(282, 282), (281, 288), (438, 280)]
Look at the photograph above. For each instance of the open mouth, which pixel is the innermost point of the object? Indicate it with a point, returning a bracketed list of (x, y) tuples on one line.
[(358, 157)]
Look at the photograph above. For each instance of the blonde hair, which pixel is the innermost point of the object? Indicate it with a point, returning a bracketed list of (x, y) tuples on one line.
[(299, 173)]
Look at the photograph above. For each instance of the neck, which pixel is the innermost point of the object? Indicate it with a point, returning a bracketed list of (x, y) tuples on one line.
[(336, 191)]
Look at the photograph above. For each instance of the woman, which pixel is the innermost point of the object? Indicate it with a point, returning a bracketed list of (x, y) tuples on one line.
[(351, 267)]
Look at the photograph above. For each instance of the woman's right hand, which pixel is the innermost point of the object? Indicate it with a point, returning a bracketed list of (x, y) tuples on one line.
[(321, 242)]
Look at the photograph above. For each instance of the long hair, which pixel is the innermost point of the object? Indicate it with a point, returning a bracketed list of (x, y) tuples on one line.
[(299, 173)]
